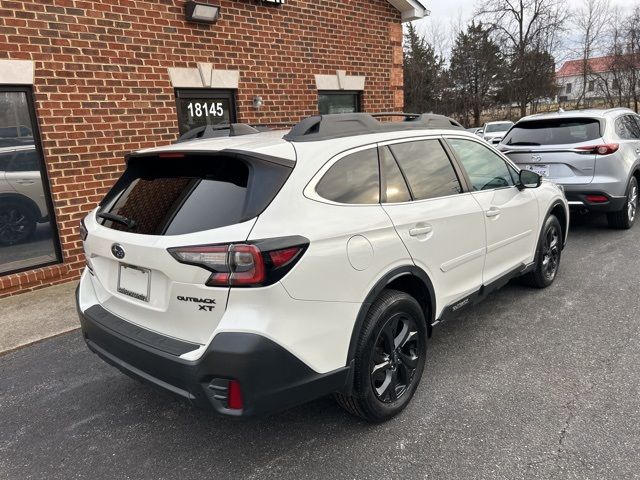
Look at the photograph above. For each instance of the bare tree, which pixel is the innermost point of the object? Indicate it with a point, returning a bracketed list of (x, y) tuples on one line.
[(528, 29), (591, 19)]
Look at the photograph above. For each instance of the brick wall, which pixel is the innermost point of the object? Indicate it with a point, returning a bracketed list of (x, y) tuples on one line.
[(102, 87)]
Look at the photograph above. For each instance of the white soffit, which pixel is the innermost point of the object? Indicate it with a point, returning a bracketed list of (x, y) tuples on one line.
[(410, 9)]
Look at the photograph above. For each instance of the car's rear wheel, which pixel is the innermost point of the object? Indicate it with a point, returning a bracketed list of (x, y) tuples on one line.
[(16, 223), (389, 358), (626, 217), (548, 254)]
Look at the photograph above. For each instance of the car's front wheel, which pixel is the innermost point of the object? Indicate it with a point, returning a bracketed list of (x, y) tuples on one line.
[(626, 217), (16, 223), (389, 358), (548, 254)]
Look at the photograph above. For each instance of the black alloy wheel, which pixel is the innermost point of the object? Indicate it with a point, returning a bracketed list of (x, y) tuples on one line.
[(395, 358)]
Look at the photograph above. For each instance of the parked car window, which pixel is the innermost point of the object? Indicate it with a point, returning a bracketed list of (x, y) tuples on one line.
[(486, 169), (193, 194), (553, 131), (627, 127), (24, 161), (427, 169), (395, 188), (354, 179)]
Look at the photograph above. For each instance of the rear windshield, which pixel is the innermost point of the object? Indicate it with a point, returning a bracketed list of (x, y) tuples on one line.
[(558, 131), (174, 196), (497, 127)]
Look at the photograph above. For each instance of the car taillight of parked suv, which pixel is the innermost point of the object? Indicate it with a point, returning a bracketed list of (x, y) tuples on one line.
[(593, 154), (261, 270)]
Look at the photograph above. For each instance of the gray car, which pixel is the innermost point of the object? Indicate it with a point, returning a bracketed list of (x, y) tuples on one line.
[(593, 154)]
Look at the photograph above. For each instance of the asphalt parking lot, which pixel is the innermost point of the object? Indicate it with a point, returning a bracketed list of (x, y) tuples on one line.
[(529, 384)]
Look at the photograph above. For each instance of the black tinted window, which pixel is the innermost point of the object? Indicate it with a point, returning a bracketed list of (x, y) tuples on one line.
[(486, 169), (427, 169), (178, 196), (395, 188), (558, 131), (352, 179), (25, 161)]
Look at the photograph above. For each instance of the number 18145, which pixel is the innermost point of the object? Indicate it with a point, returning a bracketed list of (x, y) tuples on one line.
[(204, 109)]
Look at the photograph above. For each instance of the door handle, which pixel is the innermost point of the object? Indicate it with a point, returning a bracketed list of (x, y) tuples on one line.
[(416, 232), (25, 182), (493, 212)]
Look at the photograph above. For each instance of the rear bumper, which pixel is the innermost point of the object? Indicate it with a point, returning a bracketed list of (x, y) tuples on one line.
[(578, 200), (270, 377)]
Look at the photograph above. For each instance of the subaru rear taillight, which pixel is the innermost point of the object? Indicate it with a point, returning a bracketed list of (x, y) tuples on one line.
[(242, 264), (605, 149)]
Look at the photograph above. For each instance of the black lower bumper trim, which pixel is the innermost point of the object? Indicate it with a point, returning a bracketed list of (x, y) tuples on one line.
[(270, 377), (613, 204)]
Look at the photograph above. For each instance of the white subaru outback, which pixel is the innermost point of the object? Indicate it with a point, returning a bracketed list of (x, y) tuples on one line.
[(261, 270)]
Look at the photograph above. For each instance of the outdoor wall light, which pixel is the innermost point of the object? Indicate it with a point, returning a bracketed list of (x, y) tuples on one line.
[(201, 12), (257, 102)]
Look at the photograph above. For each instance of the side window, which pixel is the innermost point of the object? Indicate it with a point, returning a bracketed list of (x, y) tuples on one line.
[(621, 128), (25, 161), (427, 169), (354, 179), (632, 127), (485, 168), (394, 187)]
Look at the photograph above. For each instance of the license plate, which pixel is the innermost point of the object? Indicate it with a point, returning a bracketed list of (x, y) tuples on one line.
[(542, 170), (134, 282)]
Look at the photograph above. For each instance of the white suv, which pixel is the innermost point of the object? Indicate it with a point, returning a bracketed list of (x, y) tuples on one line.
[(261, 270)]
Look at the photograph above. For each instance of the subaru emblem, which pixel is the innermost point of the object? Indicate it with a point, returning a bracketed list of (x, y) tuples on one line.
[(117, 251), (536, 158)]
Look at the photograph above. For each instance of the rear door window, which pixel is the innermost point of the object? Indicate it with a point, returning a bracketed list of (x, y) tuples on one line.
[(556, 131), (162, 196), (627, 128), (427, 169), (354, 179)]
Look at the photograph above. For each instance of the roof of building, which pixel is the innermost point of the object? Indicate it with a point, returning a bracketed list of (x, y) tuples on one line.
[(572, 68), (410, 9)]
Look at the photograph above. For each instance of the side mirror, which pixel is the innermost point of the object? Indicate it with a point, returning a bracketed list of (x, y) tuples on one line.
[(480, 133), (529, 179)]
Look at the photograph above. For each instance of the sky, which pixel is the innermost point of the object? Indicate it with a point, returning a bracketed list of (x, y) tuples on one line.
[(446, 15)]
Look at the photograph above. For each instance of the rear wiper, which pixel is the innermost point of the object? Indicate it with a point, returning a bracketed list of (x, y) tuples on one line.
[(531, 144), (127, 222)]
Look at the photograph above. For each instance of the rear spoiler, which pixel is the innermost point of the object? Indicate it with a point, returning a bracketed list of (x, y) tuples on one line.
[(228, 152)]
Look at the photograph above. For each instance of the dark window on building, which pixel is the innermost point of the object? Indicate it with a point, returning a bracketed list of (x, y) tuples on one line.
[(592, 85), (200, 107), (394, 186), (427, 169), (28, 236), (353, 179), (486, 169), (339, 102), (568, 88)]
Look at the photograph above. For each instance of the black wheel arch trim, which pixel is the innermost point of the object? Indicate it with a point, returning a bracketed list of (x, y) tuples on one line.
[(408, 270), (565, 227)]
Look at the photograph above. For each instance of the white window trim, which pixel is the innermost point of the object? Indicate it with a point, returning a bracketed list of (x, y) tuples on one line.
[(17, 72)]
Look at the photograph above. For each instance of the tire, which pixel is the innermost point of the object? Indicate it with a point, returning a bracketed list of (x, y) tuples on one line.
[(389, 359), (17, 222), (625, 218), (548, 254)]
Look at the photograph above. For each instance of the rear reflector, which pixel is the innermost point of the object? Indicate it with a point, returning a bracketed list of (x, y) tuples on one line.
[(234, 399), (604, 149), (596, 198)]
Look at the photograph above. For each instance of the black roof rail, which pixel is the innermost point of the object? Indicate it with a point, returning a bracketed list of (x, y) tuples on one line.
[(220, 130), (324, 127)]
